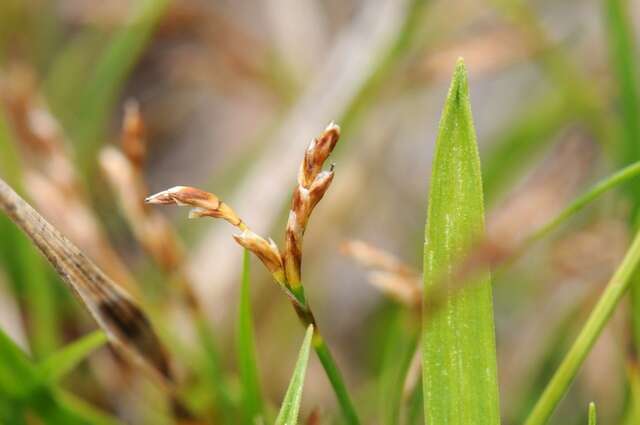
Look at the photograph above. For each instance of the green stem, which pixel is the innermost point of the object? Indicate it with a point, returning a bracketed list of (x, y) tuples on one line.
[(335, 377), (305, 314), (603, 310), (601, 187)]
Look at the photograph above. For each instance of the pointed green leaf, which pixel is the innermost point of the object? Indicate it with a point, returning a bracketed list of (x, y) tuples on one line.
[(66, 359), (251, 394), (592, 414), (291, 404), (459, 353)]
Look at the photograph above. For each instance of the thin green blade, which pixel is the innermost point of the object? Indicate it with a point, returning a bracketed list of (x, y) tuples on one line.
[(600, 315), (251, 394), (66, 359), (291, 404), (459, 353)]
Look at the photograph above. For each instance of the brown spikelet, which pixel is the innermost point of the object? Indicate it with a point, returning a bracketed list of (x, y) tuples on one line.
[(204, 204), (313, 183), (266, 251), (115, 311), (133, 134)]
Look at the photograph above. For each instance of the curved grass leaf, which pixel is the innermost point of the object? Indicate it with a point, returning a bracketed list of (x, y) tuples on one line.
[(253, 406), (598, 318), (21, 386), (291, 404), (625, 68), (459, 353), (619, 177), (66, 359)]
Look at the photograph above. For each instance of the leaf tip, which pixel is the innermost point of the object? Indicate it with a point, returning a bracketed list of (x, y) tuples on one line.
[(459, 86), (592, 413)]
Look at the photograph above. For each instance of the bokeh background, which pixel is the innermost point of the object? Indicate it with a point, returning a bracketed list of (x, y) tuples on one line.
[(231, 93)]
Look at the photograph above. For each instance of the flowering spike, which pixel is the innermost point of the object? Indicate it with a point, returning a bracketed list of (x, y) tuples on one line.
[(312, 185), (204, 204)]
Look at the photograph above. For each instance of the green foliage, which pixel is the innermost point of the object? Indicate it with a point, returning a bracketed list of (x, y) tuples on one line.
[(459, 357), (252, 403), (290, 407), (24, 386), (66, 359), (601, 313)]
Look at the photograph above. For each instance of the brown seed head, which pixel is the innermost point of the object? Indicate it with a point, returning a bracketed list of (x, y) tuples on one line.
[(133, 134), (204, 204), (316, 154), (266, 251)]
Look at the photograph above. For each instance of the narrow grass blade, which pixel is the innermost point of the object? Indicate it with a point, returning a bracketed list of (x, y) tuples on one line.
[(66, 359), (621, 46), (291, 404), (592, 414), (126, 325), (110, 73), (600, 315), (624, 65), (17, 376), (335, 379), (620, 177), (253, 405), (21, 385), (459, 352)]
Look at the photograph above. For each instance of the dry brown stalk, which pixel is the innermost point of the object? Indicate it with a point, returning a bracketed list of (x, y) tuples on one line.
[(387, 272), (51, 179), (124, 171), (115, 311)]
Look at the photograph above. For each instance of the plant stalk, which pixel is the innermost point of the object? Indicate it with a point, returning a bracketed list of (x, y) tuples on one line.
[(305, 314)]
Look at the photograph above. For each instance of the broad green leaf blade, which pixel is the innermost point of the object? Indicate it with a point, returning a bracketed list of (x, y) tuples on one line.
[(592, 414), (66, 359), (291, 404), (459, 353), (559, 384), (251, 394)]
